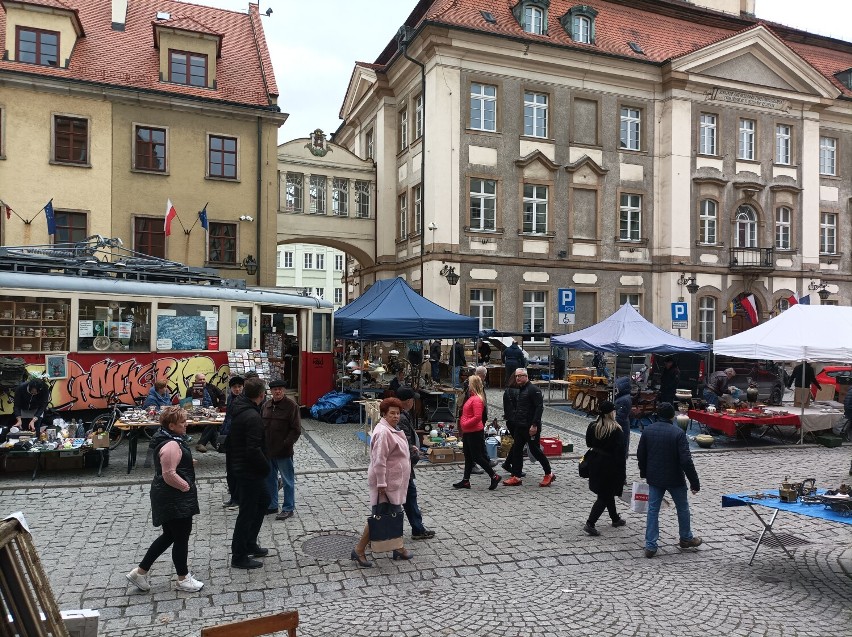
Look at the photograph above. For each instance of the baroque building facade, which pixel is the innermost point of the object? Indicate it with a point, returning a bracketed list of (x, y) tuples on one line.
[(633, 151)]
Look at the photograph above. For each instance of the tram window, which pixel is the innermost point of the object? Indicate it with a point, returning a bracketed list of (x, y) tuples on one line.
[(114, 325), (241, 327), (322, 333), (184, 327)]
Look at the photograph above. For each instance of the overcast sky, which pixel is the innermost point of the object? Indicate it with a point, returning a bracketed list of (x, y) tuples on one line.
[(315, 44)]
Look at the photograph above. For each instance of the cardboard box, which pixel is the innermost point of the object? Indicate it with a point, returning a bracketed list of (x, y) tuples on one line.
[(458, 455), (441, 455), (100, 441), (826, 393), (551, 446)]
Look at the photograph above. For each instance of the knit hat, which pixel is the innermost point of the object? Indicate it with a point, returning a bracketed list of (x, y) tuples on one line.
[(606, 407), (665, 411), (236, 380)]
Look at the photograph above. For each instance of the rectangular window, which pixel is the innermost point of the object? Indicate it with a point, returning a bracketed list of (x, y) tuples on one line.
[(71, 140), (309, 261), (746, 139), (150, 151), (827, 156), (827, 233), (417, 193), (187, 68), (630, 299), (222, 157), (483, 107), (783, 144), (630, 218), (222, 243), (707, 320), (535, 209), (402, 209), (316, 192), (535, 114), (35, 46), (535, 306), (287, 262), (319, 292), (403, 129), (294, 196), (338, 262), (338, 296), (114, 324), (707, 134), (279, 259), (188, 326), (482, 307), (71, 227), (340, 197), (631, 124), (782, 228), (362, 199), (483, 204), (368, 144), (707, 222), (418, 117), (320, 261), (149, 236)]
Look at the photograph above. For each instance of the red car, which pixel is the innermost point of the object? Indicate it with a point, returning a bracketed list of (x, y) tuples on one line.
[(834, 375)]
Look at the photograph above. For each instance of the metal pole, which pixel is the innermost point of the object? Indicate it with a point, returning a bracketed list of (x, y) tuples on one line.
[(802, 415)]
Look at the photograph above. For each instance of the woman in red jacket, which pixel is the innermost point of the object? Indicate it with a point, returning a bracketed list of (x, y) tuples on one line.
[(473, 435)]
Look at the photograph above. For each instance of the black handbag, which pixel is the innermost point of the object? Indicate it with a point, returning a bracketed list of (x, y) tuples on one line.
[(585, 466), (385, 526)]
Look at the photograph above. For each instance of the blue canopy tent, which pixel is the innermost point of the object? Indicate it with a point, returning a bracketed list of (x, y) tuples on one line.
[(391, 311), (626, 332)]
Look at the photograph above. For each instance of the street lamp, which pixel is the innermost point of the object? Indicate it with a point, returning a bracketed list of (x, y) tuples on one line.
[(689, 282), (821, 290), (250, 265), (449, 272)]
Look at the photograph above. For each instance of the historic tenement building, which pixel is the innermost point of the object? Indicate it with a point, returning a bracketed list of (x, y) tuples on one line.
[(640, 151), (111, 108)]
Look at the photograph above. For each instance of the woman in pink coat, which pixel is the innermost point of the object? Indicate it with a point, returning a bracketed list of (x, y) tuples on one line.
[(473, 434), (390, 469)]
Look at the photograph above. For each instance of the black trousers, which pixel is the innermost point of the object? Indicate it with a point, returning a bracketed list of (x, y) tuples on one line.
[(603, 502), (208, 436), (473, 445), (175, 534), (522, 437), (254, 501)]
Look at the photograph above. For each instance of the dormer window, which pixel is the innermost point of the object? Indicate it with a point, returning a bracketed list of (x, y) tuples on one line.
[(36, 46), (845, 78), (579, 22), (187, 68), (189, 51), (532, 15)]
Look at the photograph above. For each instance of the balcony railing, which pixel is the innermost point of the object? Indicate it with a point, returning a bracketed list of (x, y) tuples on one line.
[(752, 259)]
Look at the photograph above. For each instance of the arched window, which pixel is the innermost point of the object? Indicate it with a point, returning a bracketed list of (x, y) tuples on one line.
[(579, 23), (582, 29), (707, 319), (534, 20), (746, 230), (707, 222)]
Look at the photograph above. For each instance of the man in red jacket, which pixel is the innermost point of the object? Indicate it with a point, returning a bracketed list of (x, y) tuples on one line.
[(283, 427)]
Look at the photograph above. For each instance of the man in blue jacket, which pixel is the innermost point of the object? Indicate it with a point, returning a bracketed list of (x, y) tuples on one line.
[(664, 459)]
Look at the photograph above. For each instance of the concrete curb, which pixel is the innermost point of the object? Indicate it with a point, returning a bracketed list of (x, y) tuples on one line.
[(846, 562)]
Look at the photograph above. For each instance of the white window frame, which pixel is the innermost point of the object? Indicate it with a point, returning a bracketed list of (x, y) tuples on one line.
[(581, 30), (745, 230), (403, 129), (339, 197), (783, 227), (480, 306), (708, 222), (783, 144), (338, 262), (418, 116), (535, 313), (294, 192), (402, 215), (308, 261), (535, 208), (746, 138), (707, 319), (483, 205), (633, 298), (707, 131), (630, 130), (288, 259), (827, 233), (338, 296), (534, 20), (483, 100), (828, 156), (317, 195), (630, 217), (417, 201), (363, 199), (369, 141), (535, 114), (319, 292), (320, 261)]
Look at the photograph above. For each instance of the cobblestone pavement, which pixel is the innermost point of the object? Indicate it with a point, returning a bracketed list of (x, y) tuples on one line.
[(510, 562)]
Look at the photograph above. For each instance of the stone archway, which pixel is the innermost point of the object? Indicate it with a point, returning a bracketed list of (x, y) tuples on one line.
[(364, 259)]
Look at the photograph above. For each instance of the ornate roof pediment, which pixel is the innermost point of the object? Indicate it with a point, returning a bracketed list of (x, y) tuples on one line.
[(537, 156), (586, 161), (363, 79)]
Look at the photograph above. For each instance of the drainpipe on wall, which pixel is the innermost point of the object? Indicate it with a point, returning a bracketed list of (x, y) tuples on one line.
[(259, 207)]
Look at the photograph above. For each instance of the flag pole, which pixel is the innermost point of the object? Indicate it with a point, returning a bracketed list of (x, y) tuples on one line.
[(9, 209)]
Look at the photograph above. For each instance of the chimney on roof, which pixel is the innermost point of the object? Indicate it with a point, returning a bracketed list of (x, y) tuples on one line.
[(734, 7), (119, 14)]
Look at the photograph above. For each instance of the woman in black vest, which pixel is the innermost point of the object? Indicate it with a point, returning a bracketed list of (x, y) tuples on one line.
[(174, 500)]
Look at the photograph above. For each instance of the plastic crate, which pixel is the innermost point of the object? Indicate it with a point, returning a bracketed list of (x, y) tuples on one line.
[(551, 446)]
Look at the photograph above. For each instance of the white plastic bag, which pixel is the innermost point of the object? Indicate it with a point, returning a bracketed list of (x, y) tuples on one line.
[(639, 499)]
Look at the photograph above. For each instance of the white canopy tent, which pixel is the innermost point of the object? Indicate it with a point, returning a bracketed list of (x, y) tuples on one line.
[(801, 333)]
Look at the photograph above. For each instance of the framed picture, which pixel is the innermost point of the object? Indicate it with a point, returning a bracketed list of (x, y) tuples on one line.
[(56, 365)]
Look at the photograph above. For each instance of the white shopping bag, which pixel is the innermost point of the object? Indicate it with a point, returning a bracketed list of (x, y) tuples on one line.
[(639, 500)]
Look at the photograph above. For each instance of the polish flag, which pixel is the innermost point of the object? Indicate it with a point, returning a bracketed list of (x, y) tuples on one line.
[(750, 306), (792, 300), (171, 213)]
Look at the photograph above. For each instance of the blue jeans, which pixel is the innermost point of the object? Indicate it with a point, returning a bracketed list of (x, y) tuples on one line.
[(412, 511), (436, 370), (456, 373), (655, 499), (711, 397), (288, 477)]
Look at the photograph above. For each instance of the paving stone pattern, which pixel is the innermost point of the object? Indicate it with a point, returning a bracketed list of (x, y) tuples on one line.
[(505, 563)]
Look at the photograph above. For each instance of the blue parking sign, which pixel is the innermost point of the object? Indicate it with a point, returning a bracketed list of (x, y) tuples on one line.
[(680, 316), (566, 301)]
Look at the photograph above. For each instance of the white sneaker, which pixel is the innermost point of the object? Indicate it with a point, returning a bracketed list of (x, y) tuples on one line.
[(189, 584), (138, 580)]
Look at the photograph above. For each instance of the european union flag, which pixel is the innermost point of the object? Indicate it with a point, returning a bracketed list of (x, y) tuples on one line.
[(51, 219), (202, 215)]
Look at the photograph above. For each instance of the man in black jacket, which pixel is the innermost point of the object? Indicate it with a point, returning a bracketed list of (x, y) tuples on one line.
[(406, 425), (458, 361), (513, 358), (249, 466), (435, 359), (664, 458), (529, 407), (31, 401)]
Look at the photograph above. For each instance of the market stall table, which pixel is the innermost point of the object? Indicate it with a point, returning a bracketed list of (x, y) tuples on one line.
[(52, 459), (135, 429), (817, 417), (732, 424), (769, 499)]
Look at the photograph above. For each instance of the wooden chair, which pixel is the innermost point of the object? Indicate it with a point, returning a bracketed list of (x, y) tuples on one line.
[(288, 621)]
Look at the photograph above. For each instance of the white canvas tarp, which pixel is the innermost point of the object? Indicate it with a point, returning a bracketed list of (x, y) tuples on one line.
[(803, 332)]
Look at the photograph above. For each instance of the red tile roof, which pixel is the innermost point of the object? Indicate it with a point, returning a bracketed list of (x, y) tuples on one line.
[(128, 58), (664, 29)]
